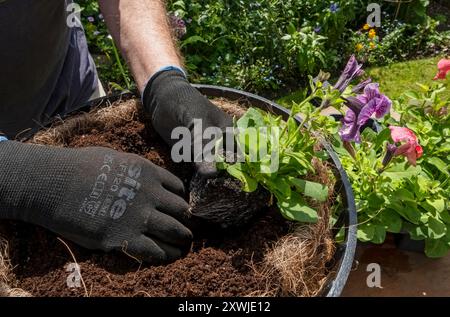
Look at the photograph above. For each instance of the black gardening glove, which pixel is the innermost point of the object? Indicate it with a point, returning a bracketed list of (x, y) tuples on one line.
[(96, 197), (172, 102)]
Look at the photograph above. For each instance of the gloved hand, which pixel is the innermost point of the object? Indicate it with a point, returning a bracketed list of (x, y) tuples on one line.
[(96, 197), (172, 102)]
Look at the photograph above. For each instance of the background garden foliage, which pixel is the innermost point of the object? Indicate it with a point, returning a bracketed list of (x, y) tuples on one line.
[(264, 46)]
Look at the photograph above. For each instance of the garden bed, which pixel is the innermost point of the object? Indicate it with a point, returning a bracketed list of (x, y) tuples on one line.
[(253, 260)]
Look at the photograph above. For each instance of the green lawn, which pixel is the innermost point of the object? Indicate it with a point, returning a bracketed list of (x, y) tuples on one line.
[(395, 79)]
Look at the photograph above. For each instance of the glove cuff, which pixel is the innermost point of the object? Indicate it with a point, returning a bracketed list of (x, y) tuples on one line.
[(146, 92)]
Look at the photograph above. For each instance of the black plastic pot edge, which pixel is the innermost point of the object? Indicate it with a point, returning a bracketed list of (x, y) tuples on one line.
[(346, 250)]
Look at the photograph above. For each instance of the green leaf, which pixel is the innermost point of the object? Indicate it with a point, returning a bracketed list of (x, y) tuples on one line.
[(311, 189), (379, 234), (365, 232), (436, 228), (249, 184), (252, 118), (399, 172), (439, 164), (323, 155), (291, 28), (381, 137), (403, 194), (408, 212), (376, 201), (415, 232), (300, 158), (295, 209), (292, 128), (192, 40), (436, 248), (281, 185), (437, 204), (369, 135), (445, 216), (391, 220)]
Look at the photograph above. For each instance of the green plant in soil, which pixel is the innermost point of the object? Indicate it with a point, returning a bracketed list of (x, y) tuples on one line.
[(284, 163)]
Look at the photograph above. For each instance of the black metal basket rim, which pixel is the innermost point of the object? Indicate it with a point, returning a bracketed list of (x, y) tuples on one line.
[(349, 246)]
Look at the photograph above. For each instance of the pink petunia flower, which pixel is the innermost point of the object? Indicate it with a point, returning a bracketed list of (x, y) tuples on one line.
[(410, 147), (444, 68)]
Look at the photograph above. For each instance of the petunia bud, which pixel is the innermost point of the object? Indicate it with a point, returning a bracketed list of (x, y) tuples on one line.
[(360, 87), (390, 152)]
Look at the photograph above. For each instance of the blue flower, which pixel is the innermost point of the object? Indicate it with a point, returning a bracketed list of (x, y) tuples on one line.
[(334, 7), (317, 29)]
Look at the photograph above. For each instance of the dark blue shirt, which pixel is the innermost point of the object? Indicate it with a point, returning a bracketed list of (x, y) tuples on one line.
[(45, 66)]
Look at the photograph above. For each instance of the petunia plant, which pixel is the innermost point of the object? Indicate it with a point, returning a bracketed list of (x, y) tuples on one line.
[(277, 155), (399, 168)]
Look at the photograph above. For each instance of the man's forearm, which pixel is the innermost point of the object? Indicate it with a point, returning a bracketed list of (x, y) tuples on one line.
[(141, 31)]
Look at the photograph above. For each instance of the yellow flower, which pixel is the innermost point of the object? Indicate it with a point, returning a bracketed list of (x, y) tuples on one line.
[(366, 26), (359, 47), (372, 45), (372, 33)]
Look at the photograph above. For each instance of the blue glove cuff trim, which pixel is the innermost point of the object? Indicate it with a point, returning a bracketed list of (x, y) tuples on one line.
[(171, 67), (164, 69)]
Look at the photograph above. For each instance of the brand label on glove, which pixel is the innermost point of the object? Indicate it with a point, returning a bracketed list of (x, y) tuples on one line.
[(114, 188)]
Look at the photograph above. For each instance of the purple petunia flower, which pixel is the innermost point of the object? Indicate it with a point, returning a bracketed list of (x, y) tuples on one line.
[(351, 71), (91, 19), (317, 29), (350, 128), (334, 7), (361, 109), (374, 101), (360, 87)]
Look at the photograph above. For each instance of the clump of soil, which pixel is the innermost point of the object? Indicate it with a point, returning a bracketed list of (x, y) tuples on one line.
[(220, 204), (236, 263)]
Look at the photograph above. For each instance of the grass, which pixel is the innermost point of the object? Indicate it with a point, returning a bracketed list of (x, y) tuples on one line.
[(400, 77), (394, 79)]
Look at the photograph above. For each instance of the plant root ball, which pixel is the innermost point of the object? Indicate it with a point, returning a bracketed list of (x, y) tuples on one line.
[(220, 203)]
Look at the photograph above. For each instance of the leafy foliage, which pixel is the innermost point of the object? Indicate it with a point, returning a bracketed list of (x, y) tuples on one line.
[(266, 45), (277, 155), (398, 41), (395, 196), (259, 45)]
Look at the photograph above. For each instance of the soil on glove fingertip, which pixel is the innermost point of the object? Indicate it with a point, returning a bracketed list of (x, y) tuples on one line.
[(214, 267)]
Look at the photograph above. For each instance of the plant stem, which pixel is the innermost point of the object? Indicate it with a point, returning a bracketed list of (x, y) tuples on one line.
[(121, 68)]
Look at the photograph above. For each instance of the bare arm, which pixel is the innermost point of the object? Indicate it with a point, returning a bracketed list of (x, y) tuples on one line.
[(141, 31)]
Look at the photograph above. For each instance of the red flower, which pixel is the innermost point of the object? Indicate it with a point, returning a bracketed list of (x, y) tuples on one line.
[(444, 68), (410, 147)]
